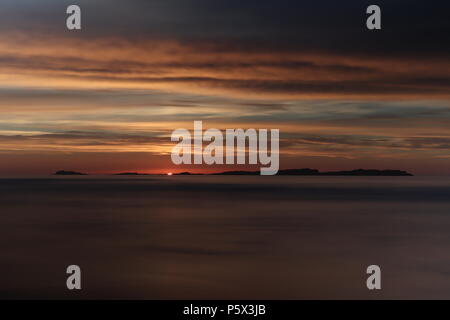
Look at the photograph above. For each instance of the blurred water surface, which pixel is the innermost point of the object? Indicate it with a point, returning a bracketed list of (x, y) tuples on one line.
[(244, 237)]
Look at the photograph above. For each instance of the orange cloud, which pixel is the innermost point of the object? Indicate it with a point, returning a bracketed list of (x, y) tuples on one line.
[(208, 68)]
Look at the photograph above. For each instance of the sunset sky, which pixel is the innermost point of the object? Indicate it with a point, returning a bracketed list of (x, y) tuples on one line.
[(106, 98)]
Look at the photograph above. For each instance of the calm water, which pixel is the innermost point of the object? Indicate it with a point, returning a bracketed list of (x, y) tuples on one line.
[(225, 237)]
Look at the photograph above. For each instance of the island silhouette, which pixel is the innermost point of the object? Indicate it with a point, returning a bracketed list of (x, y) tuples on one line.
[(69, 173), (286, 172)]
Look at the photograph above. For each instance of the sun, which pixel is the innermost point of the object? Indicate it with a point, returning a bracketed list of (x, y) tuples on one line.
[(169, 173)]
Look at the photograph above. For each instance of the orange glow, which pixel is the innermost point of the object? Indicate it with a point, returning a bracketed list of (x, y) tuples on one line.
[(110, 105)]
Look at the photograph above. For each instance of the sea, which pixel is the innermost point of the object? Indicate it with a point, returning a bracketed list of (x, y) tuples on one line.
[(224, 237)]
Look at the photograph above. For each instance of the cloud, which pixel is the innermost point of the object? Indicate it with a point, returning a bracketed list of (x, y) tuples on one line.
[(140, 69), (73, 141), (202, 68), (322, 25)]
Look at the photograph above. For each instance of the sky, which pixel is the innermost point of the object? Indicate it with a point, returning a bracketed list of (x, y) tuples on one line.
[(106, 99)]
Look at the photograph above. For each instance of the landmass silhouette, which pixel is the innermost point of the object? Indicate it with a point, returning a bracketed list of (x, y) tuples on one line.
[(286, 172), (69, 173)]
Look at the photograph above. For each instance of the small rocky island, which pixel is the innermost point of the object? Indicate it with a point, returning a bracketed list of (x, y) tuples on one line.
[(129, 174), (68, 173)]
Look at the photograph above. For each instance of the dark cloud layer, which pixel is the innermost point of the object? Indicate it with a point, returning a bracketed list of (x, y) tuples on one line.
[(409, 27), (273, 47)]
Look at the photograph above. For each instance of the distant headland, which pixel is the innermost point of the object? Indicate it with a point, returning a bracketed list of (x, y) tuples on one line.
[(315, 172), (287, 172)]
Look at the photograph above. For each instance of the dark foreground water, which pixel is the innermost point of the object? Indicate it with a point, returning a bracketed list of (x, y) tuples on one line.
[(225, 237)]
